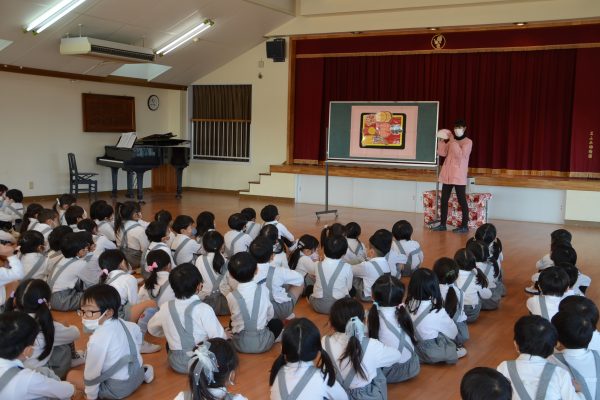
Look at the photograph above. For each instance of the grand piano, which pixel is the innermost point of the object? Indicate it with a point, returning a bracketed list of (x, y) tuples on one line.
[(147, 153)]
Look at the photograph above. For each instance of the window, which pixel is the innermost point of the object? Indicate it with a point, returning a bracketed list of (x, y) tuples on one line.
[(221, 118)]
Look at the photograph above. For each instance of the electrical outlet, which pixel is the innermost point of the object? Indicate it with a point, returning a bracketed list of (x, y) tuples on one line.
[(30, 184)]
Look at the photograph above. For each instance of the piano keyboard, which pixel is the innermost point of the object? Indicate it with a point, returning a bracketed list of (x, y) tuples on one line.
[(110, 162)]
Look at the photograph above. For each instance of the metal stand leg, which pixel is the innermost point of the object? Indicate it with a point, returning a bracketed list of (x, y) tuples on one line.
[(179, 174), (140, 186), (327, 210), (129, 194), (437, 189)]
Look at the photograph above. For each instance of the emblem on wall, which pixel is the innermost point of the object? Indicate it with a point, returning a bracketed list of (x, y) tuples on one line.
[(438, 41)]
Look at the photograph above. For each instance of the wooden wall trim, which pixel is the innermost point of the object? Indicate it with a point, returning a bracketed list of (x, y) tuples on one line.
[(453, 51), (405, 174), (79, 77), (470, 28)]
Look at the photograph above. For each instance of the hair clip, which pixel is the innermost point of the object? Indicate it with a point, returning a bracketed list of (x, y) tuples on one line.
[(42, 301), (300, 244), (12, 294), (356, 328), (58, 201), (151, 267), (105, 271), (376, 304), (207, 362)]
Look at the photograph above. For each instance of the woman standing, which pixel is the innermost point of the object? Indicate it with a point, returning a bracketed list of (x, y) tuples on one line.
[(456, 147)]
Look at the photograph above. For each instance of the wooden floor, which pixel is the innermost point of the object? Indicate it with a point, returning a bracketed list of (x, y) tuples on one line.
[(491, 335)]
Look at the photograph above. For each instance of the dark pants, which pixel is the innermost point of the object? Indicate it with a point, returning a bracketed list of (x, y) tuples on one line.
[(275, 326), (462, 200)]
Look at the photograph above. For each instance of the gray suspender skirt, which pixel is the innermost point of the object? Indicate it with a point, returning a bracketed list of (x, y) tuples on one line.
[(178, 359), (407, 370), (215, 299), (432, 351), (251, 339), (322, 305), (117, 389)]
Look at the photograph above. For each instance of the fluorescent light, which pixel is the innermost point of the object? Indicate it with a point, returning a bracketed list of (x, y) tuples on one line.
[(52, 15), (4, 44), (185, 37)]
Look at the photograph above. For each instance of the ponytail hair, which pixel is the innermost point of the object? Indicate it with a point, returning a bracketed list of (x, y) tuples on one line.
[(226, 360), (447, 272), (162, 260), (212, 242), (388, 291), (481, 251), (423, 286), (30, 242), (332, 230), (305, 242), (205, 221), (342, 311), (64, 200), (32, 296), (32, 212), (487, 233), (466, 261), (124, 212), (301, 341), (109, 261)]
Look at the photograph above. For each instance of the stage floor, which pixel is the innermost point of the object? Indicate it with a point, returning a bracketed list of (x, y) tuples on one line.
[(491, 336)]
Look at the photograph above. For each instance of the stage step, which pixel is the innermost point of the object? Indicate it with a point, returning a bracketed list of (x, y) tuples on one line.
[(272, 185)]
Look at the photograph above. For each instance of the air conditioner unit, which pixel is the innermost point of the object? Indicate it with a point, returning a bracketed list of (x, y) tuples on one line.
[(88, 46)]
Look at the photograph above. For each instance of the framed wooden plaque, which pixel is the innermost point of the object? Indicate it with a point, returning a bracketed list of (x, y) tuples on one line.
[(107, 113)]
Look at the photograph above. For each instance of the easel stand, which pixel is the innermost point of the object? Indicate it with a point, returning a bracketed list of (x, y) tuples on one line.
[(327, 210)]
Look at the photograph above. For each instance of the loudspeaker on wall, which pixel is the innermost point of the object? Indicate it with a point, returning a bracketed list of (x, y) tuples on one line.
[(276, 50)]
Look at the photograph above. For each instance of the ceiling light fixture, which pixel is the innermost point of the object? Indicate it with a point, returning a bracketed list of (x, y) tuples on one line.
[(520, 23), (185, 37), (52, 15), (433, 29)]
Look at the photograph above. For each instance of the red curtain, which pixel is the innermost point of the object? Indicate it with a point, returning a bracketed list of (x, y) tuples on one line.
[(518, 105)]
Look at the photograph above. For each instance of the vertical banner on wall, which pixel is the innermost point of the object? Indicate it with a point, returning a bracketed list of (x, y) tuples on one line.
[(585, 126)]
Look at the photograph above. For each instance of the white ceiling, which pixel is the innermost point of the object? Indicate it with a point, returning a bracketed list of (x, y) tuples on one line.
[(239, 26)]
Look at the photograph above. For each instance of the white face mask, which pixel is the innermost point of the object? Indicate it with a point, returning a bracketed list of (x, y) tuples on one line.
[(459, 132), (90, 325)]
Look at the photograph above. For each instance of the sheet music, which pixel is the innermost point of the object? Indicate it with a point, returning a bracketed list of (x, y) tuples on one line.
[(127, 140)]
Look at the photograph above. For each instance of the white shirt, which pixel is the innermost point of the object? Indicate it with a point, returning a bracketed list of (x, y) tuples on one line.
[(44, 229), (247, 290), (369, 274), (306, 266), (53, 258), (107, 228), (280, 260), (106, 346), (7, 275), (29, 384), (444, 290), (595, 342), (136, 237), (229, 283), (62, 335), (544, 262), (377, 356), (408, 246), (188, 253), (29, 260), (242, 244), (342, 285), (7, 214), (253, 229), (434, 323), (158, 246), (126, 285), (529, 369), (355, 253), (582, 361), (219, 393), (207, 285), (69, 277), (315, 388), (552, 303), (168, 294), (490, 273), (283, 277), (90, 275), (388, 338), (283, 231), (205, 325), (61, 217), (474, 291)]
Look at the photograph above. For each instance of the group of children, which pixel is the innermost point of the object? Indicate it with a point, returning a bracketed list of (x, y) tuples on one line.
[(256, 274)]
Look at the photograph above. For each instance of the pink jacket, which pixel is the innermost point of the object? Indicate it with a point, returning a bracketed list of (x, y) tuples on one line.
[(456, 164)]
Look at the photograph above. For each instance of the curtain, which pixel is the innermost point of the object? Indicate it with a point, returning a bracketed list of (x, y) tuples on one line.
[(518, 105), (222, 102)]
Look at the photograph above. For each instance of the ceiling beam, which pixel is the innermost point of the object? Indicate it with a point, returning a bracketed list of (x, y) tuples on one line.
[(79, 77)]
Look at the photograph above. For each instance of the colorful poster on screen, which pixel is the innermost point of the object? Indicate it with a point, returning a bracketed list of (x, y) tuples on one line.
[(384, 131)]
